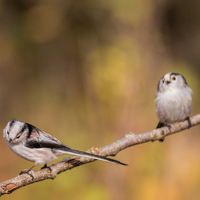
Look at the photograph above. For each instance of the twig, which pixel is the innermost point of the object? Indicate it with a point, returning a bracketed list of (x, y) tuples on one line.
[(109, 150)]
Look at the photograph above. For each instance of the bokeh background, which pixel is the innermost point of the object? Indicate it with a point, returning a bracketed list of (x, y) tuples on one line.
[(86, 71)]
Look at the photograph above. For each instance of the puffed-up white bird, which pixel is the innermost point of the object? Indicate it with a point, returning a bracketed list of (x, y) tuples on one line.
[(173, 100)]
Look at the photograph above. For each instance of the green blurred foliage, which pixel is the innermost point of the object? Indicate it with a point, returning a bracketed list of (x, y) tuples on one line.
[(86, 71)]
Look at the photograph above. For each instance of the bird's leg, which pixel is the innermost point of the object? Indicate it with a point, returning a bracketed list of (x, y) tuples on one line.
[(27, 172), (189, 122), (160, 124), (45, 166)]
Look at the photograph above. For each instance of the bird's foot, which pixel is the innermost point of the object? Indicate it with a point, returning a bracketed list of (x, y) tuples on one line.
[(162, 125), (45, 166), (168, 126), (189, 122), (26, 172)]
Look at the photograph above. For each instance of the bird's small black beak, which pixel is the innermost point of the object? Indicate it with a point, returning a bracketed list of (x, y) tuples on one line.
[(167, 82), (10, 140)]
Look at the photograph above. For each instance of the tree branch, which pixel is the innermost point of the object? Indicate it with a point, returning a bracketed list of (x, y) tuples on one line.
[(109, 150)]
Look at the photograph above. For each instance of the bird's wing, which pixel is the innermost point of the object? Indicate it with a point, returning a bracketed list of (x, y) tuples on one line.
[(40, 139)]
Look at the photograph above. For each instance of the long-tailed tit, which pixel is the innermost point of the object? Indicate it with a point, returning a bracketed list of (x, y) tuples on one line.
[(173, 99), (34, 145)]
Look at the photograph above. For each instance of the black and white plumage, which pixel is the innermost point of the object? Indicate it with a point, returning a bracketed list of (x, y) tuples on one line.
[(173, 99), (34, 145)]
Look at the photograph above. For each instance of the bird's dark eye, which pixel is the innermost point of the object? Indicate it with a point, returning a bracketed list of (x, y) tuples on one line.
[(7, 133), (173, 78)]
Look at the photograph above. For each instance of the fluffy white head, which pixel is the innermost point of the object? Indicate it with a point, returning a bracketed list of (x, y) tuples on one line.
[(171, 81), (14, 131)]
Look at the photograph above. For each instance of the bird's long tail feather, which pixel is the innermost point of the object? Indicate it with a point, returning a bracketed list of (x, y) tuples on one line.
[(89, 155)]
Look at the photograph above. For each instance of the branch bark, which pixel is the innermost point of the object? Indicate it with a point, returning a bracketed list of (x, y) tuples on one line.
[(129, 140)]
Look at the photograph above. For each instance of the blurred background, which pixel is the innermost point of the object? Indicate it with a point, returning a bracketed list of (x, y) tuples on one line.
[(86, 72)]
